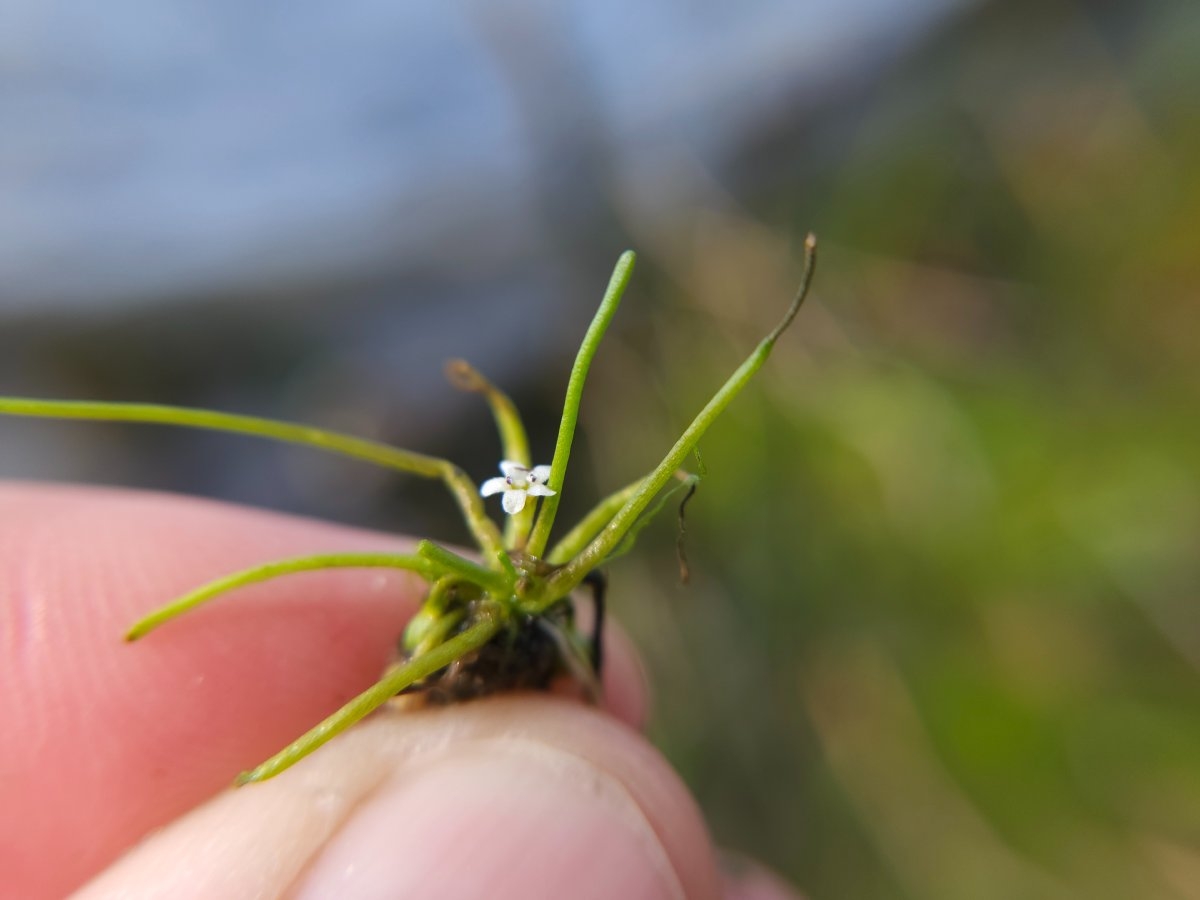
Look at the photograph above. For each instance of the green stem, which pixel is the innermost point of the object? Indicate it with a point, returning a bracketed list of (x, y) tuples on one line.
[(439, 630), (687, 482), (506, 563), (375, 696), (461, 487), (566, 428), (431, 612), (446, 561), (589, 526), (265, 572), (561, 582), (514, 443)]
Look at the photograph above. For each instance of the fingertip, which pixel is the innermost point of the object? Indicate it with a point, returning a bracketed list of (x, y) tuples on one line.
[(509, 797), (532, 817), (162, 725), (625, 683), (746, 879), (112, 740)]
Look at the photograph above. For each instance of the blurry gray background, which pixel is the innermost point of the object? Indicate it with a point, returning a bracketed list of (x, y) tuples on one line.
[(301, 211)]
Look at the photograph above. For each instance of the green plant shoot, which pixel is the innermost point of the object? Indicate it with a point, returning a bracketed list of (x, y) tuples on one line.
[(502, 621)]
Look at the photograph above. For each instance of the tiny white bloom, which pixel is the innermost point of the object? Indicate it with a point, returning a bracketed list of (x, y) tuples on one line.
[(517, 483)]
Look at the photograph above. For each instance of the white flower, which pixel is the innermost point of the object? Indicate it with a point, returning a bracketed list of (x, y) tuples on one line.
[(517, 483)]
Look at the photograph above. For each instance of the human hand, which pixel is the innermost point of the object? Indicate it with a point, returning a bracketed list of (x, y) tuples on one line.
[(106, 744)]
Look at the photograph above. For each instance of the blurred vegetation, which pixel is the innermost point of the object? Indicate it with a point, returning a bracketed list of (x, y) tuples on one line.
[(943, 637)]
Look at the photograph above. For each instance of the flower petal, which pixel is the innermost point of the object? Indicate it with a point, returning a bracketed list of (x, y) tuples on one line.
[(514, 502), (540, 474), (493, 486), (539, 490), (510, 468)]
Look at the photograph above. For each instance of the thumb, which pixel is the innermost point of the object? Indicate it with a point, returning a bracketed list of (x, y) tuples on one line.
[(510, 797)]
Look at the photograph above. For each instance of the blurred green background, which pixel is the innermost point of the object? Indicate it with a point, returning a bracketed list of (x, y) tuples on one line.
[(942, 638)]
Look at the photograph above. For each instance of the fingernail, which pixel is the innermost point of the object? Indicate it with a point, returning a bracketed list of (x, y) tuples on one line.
[(498, 818)]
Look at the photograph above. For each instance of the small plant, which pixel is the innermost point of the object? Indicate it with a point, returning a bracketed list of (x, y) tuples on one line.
[(505, 621)]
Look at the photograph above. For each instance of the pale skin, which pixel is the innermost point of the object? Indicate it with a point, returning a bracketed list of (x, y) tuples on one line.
[(105, 742)]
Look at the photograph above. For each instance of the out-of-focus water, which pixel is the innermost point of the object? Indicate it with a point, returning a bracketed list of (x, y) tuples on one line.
[(155, 153)]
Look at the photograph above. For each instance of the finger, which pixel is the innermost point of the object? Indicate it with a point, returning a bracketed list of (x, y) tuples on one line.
[(103, 740), (747, 880), (626, 685), (509, 797)]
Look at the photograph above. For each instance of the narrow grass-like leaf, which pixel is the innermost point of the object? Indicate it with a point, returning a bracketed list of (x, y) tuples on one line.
[(561, 582), (461, 487), (589, 526), (570, 415), (686, 482), (270, 570), (447, 562), (375, 696)]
